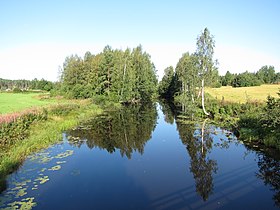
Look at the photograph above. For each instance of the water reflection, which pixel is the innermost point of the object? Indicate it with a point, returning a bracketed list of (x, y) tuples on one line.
[(127, 129), (169, 111), (269, 172), (198, 143), (198, 138)]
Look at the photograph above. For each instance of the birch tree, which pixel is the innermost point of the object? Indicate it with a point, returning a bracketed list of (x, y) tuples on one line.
[(205, 49)]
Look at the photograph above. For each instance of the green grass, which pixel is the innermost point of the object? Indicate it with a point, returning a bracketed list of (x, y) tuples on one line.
[(42, 135), (13, 102), (244, 94)]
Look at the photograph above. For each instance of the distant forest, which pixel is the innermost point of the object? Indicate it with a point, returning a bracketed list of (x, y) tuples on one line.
[(266, 75), (25, 85)]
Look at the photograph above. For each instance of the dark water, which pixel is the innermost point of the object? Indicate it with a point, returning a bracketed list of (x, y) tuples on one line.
[(140, 158)]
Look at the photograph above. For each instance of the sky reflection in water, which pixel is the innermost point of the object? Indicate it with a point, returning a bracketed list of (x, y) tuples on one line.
[(140, 158)]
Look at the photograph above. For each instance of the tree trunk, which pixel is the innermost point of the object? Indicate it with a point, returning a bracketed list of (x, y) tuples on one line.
[(202, 97)]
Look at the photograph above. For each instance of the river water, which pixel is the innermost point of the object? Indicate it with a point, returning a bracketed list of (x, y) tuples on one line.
[(144, 157)]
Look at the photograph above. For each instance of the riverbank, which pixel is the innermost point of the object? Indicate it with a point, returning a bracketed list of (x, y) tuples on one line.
[(43, 133), (253, 121)]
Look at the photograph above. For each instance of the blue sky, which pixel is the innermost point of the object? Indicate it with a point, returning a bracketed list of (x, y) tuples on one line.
[(36, 36)]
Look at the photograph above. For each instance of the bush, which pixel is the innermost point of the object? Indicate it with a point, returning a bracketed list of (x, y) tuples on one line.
[(17, 90), (14, 127)]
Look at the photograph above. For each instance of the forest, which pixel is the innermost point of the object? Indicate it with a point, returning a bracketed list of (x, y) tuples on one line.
[(119, 75), (25, 85)]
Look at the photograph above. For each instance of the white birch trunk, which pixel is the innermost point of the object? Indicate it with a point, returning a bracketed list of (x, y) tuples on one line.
[(202, 97)]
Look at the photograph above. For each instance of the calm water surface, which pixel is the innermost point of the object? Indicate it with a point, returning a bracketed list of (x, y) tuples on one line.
[(142, 158)]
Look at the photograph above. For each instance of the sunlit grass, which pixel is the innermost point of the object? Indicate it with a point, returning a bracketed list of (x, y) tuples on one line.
[(244, 94), (14, 102)]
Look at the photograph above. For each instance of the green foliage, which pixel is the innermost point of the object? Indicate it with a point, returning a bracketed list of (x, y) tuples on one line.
[(265, 75), (119, 75), (263, 125), (227, 79), (192, 71), (17, 90), (23, 85), (246, 79), (204, 52), (271, 118), (188, 74), (168, 86), (15, 128)]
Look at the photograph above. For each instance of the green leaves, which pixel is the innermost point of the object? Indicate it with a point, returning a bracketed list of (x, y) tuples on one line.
[(120, 75)]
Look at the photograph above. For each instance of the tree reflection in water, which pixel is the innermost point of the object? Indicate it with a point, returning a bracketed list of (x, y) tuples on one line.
[(199, 145), (127, 129), (199, 142), (269, 172)]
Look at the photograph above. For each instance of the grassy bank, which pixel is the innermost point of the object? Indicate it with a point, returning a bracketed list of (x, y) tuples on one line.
[(44, 133), (244, 94), (13, 102), (252, 121)]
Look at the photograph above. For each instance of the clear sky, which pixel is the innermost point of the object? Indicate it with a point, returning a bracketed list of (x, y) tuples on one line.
[(36, 36)]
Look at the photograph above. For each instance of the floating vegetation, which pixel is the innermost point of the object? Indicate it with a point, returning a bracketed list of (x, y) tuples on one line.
[(21, 193), (43, 169), (46, 159), (55, 168), (26, 204), (65, 154), (35, 172), (43, 179)]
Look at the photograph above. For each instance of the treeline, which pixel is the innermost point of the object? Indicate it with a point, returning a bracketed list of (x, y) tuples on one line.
[(185, 78), (24, 85), (193, 71), (119, 75), (266, 75)]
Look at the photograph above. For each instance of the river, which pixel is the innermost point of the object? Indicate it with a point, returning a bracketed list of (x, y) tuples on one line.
[(143, 157)]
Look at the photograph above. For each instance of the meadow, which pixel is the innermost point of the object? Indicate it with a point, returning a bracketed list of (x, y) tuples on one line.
[(244, 94), (14, 102)]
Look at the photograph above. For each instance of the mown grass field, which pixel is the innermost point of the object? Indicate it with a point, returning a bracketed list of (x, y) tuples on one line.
[(13, 102), (244, 94)]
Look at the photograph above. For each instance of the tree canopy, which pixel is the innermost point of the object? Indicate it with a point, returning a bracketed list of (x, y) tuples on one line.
[(265, 75), (22, 84), (126, 76)]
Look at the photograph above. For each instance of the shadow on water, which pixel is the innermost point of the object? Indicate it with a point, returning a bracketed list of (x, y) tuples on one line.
[(198, 138), (127, 130)]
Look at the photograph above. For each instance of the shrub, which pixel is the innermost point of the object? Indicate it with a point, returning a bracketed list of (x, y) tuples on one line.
[(15, 126), (17, 90)]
